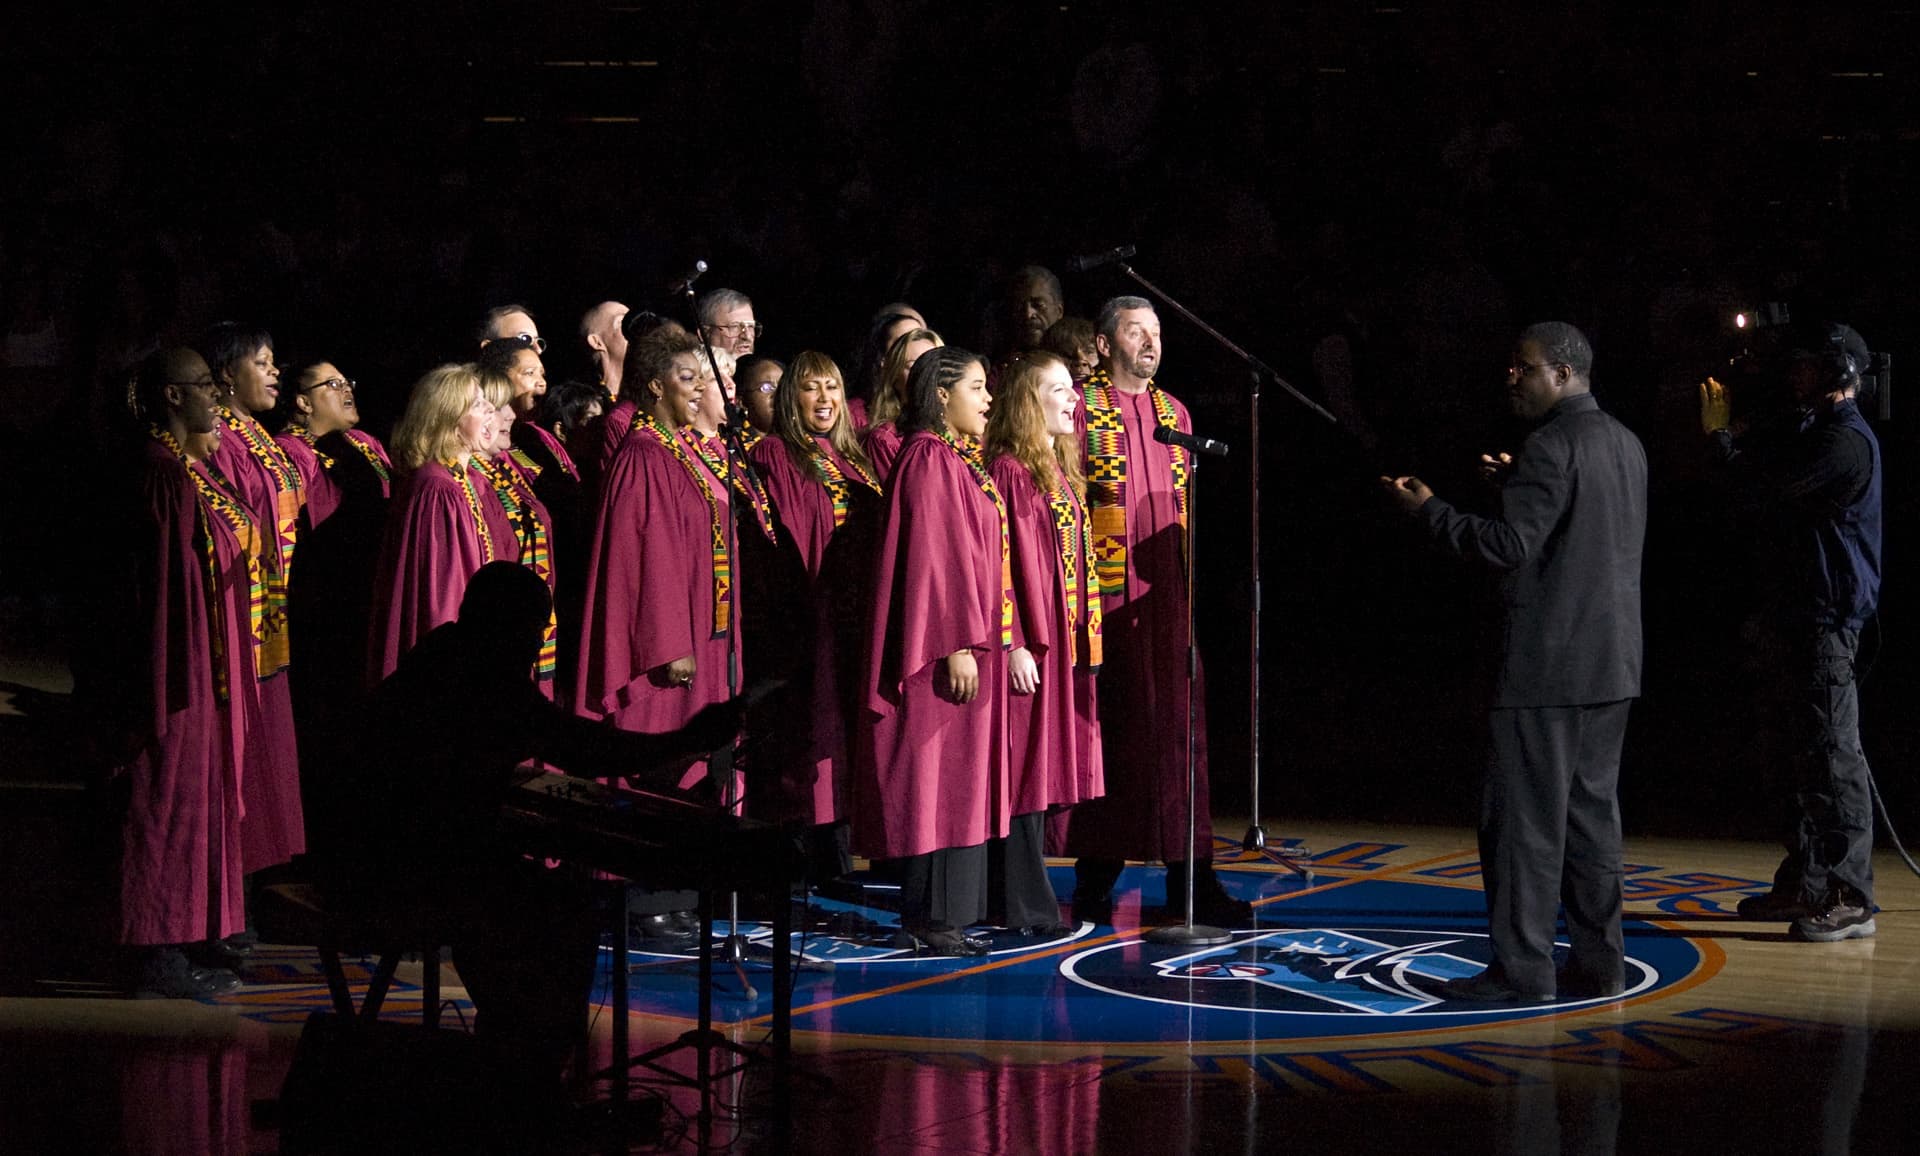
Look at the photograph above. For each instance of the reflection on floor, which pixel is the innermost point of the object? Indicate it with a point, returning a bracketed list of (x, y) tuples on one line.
[(1316, 1028)]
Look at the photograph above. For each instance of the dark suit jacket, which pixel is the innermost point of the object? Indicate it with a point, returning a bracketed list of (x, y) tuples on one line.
[(1566, 545)]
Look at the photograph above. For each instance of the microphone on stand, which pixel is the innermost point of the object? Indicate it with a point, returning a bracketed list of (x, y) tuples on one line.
[(1096, 260), (1167, 435), (685, 284)]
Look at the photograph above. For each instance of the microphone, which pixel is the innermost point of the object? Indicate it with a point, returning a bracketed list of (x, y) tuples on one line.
[(1095, 260), (685, 284), (1167, 435)]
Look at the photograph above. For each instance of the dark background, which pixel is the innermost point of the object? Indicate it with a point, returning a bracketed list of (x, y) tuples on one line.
[(1408, 182)]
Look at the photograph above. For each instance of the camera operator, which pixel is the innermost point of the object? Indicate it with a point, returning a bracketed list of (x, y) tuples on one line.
[(1817, 481)]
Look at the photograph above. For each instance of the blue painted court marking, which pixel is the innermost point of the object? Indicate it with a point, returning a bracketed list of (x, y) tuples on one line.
[(1359, 958)]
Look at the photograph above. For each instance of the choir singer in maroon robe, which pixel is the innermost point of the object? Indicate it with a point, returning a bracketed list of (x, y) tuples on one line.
[(881, 436), (932, 783), (829, 505), (1033, 451), (259, 472), (170, 670), (1137, 491), (660, 639), (508, 472), (446, 521)]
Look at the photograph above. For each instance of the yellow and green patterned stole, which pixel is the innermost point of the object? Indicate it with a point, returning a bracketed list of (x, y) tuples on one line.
[(1107, 475), (274, 651), (536, 548), (528, 467), (646, 424), (746, 483), (216, 502), (313, 443), (372, 455), (1077, 574), (750, 438), (969, 452), (839, 487), (463, 476)]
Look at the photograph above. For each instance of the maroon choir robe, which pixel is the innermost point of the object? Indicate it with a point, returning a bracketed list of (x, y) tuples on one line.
[(181, 868), (596, 444), (1053, 734), (882, 444), (650, 594), (430, 551), (1143, 680), (275, 829), (933, 772), (816, 783), (323, 493)]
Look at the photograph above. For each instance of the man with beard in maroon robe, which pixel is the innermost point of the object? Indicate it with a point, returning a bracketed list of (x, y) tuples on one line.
[(1137, 494), (181, 596), (931, 788), (262, 476)]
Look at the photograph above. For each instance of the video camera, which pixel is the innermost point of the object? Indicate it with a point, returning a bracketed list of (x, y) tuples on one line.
[(1771, 337)]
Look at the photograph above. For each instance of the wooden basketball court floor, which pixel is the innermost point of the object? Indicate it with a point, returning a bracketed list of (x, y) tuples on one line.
[(1299, 1036)]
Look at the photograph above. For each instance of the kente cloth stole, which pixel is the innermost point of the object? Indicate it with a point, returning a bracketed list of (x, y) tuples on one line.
[(528, 467), (215, 502), (463, 476), (1107, 475), (744, 482), (372, 455), (838, 486), (750, 438), (969, 451), (645, 423), (536, 547), (274, 651), (1077, 575), (313, 443)]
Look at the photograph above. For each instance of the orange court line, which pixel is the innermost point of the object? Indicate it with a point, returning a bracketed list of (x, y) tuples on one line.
[(1076, 945)]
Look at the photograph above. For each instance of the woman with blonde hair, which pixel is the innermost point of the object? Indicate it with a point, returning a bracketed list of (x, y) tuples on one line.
[(883, 437), (829, 502), (507, 468), (1033, 453), (445, 522)]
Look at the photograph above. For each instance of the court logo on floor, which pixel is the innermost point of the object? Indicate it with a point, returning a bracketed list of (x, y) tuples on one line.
[(1385, 974)]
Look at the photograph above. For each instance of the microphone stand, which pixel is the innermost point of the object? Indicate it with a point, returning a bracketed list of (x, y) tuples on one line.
[(1258, 372), (1190, 934), (733, 455)]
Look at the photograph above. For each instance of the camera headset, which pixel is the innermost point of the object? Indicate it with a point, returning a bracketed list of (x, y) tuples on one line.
[(1840, 353)]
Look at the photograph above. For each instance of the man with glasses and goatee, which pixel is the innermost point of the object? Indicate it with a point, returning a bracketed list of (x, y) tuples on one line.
[(1564, 544)]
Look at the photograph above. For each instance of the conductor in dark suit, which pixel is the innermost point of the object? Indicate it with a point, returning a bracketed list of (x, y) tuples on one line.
[(1565, 546)]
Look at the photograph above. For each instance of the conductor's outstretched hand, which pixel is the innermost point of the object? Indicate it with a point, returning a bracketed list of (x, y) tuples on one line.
[(1408, 493)]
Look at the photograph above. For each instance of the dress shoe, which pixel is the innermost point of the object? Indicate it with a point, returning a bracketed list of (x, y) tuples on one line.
[(218, 978), (1044, 930), (943, 941), (661, 932), (164, 973), (1488, 988), (1579, 986), (1776, 907), (217, 953), (1837, 922)]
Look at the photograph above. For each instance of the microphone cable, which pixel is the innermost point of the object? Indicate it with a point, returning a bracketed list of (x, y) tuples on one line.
[(1873, 785)]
